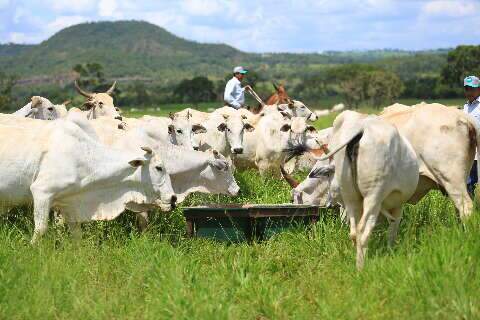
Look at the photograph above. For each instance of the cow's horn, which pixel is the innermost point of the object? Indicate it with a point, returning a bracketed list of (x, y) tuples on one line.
[(66, 103), (275, 86), (82, 92), (291, 180), (112, 88)]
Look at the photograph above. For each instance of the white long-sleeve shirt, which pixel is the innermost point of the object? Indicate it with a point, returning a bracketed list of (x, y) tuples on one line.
[(234, 93), (473, 109)]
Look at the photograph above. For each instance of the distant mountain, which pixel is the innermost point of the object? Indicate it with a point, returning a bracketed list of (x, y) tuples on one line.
[(132, 49)]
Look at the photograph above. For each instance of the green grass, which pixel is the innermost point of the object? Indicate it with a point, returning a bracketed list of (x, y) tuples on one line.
[(305, 273)]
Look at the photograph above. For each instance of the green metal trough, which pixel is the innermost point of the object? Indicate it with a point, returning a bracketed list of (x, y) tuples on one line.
[(249, 222)]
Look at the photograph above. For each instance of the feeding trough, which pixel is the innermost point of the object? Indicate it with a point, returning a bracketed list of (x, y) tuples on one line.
[(246, 222)]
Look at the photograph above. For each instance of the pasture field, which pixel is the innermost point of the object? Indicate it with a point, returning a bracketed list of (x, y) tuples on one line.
[(306, 273)]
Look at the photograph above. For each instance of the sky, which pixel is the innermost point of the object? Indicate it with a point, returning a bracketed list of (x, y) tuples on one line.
[(264, 26)]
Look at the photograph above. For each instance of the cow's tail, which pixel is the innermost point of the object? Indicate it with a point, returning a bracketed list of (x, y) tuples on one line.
[(350, 143), (352, 154)]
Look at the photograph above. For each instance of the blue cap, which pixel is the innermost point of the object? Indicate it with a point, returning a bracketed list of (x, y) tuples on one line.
[(471, 81)]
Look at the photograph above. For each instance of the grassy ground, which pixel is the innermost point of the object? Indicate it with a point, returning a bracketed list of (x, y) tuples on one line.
[(304, 273)]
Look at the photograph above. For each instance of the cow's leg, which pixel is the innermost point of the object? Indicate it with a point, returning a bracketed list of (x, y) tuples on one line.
[(41, 208), (353, 210), (371, 209), (459, 195), (393, 227), (142, 220), (75, 231)]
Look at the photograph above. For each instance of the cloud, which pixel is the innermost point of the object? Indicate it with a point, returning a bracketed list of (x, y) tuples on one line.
[(451, 8), (202, 7), (77, 6), (63, 22), (4, 3), (108, 8), (264, 26)]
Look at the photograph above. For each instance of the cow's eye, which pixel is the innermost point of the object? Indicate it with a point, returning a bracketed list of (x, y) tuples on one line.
[(179, 131), (50, 108), (159, 168), (228, 129)]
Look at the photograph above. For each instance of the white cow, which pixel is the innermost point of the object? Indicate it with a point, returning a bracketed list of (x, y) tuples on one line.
[(42, 108), (375, 170), (224, 133), (338, 108), (98, 104), (444, 140), (264, 148), (298, 109), (60, 164), (178, 130), (190, 171)]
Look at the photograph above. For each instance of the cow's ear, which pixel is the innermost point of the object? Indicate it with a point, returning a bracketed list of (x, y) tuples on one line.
[(136, 163), (222, 127), (311, 129), (171, 115), (171, 129), (198, 128), (324, 171), (248, 127), (291, 105), (219, 164), (148, 150), (285, 127), (36, 101), (286, 115)]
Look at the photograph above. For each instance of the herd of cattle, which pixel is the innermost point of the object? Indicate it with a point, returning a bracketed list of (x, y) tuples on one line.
[(93, 164)]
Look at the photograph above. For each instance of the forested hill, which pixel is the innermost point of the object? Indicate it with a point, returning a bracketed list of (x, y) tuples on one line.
[(137, 48)]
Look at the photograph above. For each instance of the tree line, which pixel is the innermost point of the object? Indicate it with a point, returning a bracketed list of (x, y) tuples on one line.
[(356, 84)]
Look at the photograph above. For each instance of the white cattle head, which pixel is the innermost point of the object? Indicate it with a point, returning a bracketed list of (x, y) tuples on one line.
[(301, 133), (153, 173), (297, 109), (100, 104), (319, 188), (42, 108), (234, 127), (181, 131), (218, 176)]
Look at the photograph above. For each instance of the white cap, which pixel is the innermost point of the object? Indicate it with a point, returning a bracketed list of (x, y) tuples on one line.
[(240, 69)]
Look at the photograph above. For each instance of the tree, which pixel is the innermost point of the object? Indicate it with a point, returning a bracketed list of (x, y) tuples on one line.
[(461, 62), (7, 82), (91, 77), (198, 89), (362, 83)]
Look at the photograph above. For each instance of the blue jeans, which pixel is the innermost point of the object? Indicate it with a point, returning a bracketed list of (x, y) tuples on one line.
[(472, 179)]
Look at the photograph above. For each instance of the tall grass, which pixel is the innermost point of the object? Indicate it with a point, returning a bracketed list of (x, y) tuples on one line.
[(305, 273)]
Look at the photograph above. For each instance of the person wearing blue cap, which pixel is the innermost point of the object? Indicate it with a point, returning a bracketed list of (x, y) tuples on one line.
[(234, 95), (471, 84)]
